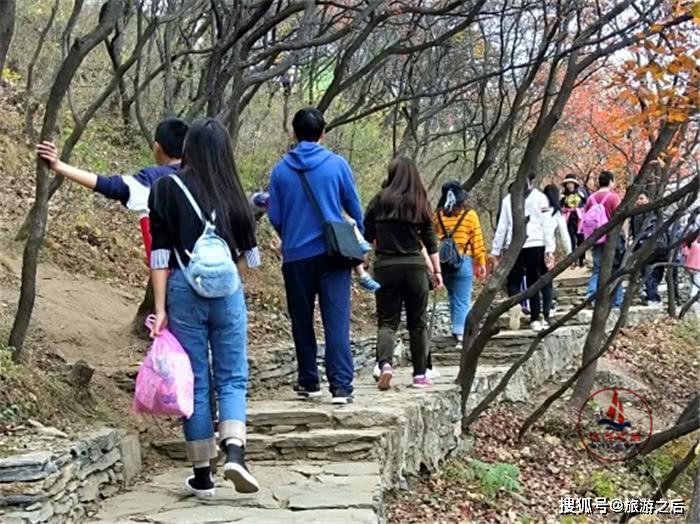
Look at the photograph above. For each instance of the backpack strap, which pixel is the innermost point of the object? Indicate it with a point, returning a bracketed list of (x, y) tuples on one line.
[(192, 200), (605, 198), (452, 231)]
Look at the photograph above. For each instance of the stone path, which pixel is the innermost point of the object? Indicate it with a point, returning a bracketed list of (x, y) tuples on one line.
[(319, 463)]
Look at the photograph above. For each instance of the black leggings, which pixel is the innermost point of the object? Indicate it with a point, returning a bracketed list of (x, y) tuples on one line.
[(576, 238), (529, 264)]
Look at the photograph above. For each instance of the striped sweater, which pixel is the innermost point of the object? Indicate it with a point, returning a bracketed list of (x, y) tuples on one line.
[(468, 237)]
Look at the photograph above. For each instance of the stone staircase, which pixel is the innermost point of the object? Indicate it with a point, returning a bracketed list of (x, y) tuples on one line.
[(322, 463)]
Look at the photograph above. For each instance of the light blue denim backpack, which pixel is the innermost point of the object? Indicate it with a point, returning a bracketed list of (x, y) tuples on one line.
[(211, 271)]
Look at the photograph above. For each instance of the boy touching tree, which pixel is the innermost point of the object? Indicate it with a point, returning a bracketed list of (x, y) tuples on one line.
[(131, 191)]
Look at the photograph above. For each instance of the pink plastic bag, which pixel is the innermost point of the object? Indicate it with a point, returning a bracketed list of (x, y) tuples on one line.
[(165, 383)]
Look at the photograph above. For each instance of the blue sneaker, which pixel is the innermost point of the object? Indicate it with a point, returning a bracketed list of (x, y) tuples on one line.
[(368, 283)]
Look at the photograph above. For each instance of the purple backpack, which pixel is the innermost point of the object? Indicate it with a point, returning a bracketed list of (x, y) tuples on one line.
[(596, 216)]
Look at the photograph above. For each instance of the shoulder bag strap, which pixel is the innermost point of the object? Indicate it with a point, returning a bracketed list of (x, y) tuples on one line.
[(310, 195), (197, 210), (191, 199)]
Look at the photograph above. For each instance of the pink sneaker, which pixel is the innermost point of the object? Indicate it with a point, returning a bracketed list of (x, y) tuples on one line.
[(384, 381), (421, 381)]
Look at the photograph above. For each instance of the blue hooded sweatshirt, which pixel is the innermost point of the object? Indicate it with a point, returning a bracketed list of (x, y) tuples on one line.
[(290, 211)]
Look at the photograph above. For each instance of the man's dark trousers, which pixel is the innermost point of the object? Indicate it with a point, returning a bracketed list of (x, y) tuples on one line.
[(303, 281)]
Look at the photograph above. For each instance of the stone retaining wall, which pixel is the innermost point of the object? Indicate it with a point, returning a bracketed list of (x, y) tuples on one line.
[(64, 483)]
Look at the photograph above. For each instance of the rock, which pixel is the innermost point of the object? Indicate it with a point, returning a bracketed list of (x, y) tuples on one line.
[(80, 374), (130, 451), (105, 461), (90, 487), (42, 514), (31, 466)]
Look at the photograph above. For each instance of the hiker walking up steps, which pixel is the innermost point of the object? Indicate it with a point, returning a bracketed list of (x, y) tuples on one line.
[(398, 222), (573, 202), (202, 223), (554, 223), (308, 271), (600, 207), (456, 222), (536, 254)]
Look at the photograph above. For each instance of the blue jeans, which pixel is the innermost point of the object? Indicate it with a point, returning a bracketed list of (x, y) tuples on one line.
[(304, 280), (459, 292), (595, 274), (220, 324)]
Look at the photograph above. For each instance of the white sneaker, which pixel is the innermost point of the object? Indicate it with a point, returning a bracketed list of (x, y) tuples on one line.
[(545, 324), (432, 374), (536, 325), (376, 372), (460, 340)]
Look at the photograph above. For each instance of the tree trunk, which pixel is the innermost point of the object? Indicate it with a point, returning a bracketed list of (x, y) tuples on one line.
[(39, 212), (7, 28), (596, 334), (694, 513), (146, 307)]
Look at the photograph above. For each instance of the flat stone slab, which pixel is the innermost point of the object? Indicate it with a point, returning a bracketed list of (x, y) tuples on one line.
[(292, 493)]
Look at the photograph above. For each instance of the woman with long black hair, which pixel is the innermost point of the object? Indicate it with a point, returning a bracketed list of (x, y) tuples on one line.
[(398, 222), (553, 222), (206, 190)]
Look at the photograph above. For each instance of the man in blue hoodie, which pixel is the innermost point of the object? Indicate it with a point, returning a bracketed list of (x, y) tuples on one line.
[(306, 268)]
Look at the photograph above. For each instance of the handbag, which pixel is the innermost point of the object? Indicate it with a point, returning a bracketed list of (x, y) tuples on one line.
[(342, 246)]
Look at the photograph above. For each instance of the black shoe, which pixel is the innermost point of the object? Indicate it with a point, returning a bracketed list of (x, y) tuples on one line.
[(308, 392), (201, 483), (236, 471), (341, 396)]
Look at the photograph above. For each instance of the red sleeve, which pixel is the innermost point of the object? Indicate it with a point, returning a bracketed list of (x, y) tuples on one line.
[(612, 203), (145, 224)]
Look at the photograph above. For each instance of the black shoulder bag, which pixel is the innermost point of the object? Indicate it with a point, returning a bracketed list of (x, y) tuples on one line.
[(342, 245)]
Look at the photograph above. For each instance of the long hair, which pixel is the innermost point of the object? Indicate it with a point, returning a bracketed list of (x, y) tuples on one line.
[(403, 196), (552, 193), (208, 165)]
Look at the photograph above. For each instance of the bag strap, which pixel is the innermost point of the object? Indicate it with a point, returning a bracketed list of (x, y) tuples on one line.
[(452, 231), (192, 201), (604, 199), (310, 195)]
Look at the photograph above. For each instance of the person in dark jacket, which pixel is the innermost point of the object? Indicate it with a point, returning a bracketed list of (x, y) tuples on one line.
[(644, 229), (398, 221)]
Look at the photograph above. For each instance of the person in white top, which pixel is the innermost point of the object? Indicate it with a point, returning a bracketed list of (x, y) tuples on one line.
[(536, 254), (554, 223)]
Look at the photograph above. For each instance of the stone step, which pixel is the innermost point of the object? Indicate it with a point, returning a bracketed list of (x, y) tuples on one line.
[(290, 493), (334, 444)]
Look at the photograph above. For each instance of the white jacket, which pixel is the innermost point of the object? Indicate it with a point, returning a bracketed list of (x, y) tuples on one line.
[(555, 222), (536, 205)]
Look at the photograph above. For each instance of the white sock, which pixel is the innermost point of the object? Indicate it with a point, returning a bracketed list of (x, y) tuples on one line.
[(204, 464), (235, 441)]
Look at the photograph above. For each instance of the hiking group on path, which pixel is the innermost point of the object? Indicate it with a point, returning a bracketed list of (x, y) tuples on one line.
[(198, 228)]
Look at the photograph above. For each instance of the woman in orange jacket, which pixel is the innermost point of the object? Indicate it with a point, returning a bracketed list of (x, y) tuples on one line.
[(454, 219)]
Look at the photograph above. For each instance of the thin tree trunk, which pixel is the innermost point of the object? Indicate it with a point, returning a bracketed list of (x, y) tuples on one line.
[(39, 213), (146, 307), (7, 29), (694, 513)]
